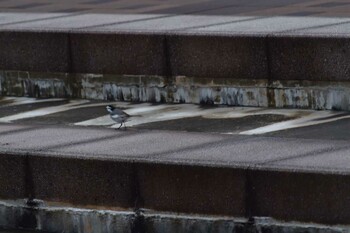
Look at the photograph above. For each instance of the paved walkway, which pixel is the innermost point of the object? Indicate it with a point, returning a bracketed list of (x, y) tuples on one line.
[(323, 8), (291, 139), (304, 170)]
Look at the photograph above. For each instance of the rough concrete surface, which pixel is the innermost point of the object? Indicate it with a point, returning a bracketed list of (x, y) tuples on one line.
[(167, 23), (271, 25), (13, 179), (66, 218), (237, 47), (65, 22), (281, 175), (11, 18), (320, 8), (278, 93), (218, 174), (200, 190), (81, 183), (118, 53), (165, 146), (34, 51), (313, 58), (228, 57)]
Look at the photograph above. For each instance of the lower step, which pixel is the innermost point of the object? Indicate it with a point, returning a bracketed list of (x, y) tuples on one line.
[(17, 217)]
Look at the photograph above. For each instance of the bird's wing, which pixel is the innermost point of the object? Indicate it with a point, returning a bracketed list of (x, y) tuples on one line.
[(120, 112), (116, 117), (119, 118)]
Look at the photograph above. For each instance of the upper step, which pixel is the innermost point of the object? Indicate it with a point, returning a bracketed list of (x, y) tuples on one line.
[(238, 47)]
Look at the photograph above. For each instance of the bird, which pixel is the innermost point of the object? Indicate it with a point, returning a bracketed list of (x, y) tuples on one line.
[(117, 115)]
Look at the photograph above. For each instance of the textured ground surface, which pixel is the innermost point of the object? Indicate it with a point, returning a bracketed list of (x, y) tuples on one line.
[(205, 7), (295, 160), (227, 160), (184, 133)]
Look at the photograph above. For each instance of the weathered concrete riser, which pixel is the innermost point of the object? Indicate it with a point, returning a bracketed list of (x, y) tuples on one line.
[(188, 53), (142, 88), (16, 215), (236, 192), (270, 64)]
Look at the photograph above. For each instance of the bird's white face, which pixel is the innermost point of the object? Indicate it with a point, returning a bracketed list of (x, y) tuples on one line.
[(109, 109)]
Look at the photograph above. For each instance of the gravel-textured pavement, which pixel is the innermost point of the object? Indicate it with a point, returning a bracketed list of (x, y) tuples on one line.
[(340, 8)]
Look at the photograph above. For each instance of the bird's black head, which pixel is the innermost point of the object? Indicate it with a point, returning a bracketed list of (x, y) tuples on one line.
[(110, 108)]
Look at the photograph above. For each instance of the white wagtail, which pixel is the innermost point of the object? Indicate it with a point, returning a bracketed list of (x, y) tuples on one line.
[(117, 115)]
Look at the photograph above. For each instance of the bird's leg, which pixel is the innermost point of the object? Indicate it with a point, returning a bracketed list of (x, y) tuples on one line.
[(120, 125)]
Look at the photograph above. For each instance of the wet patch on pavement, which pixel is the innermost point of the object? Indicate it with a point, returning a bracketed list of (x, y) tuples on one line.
[(178, 117), (201, 124), (315, 118), (336, 130), (66, 117), (9, 106)]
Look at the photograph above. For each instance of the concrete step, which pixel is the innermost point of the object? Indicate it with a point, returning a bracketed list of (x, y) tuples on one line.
[(274, 48), (248, 61), (298, 62), (193, 173)]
